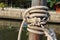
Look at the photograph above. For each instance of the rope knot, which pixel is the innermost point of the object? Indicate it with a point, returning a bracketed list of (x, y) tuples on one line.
[(35, 17)]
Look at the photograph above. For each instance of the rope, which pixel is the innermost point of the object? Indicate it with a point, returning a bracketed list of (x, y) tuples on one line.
[(36, 17), (20, 31)]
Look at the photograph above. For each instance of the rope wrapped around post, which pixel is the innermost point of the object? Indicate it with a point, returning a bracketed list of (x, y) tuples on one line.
[(36, 18)]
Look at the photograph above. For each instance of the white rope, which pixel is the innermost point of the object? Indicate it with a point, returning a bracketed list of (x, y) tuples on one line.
[(36, 17), (35, 31), (32, 8), (35, 14), (20, 31)]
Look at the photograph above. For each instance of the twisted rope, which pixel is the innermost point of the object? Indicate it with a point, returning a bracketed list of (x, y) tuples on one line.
[(36, 17)]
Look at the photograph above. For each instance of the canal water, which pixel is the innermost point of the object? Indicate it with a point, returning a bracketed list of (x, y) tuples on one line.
[(10, 32)]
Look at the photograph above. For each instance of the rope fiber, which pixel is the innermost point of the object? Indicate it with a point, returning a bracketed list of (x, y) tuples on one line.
[(36, 17)]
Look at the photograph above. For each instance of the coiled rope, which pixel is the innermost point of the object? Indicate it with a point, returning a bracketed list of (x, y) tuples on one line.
[(36, 17)]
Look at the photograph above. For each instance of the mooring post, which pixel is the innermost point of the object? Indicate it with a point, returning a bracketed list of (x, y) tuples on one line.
[(33, 36), (39, 2), (37, 17)]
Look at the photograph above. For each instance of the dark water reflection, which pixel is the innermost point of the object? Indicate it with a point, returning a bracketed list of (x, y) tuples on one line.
[(11, 34), (8, 35)]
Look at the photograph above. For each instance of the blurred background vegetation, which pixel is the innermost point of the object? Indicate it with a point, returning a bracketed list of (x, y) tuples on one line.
[(25, 3), (16, 3)]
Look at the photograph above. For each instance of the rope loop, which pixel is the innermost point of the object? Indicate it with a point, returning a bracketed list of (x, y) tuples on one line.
[(35, 17)]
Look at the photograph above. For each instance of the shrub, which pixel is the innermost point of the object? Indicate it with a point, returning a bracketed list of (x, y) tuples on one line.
[(2, 5)]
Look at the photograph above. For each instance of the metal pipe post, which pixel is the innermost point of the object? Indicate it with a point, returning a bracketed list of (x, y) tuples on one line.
[(39, 2), (33, 36), (37, 17)]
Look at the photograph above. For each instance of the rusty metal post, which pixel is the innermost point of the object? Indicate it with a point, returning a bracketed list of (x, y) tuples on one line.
[(39, 2), (33, 36), (34, 20)]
